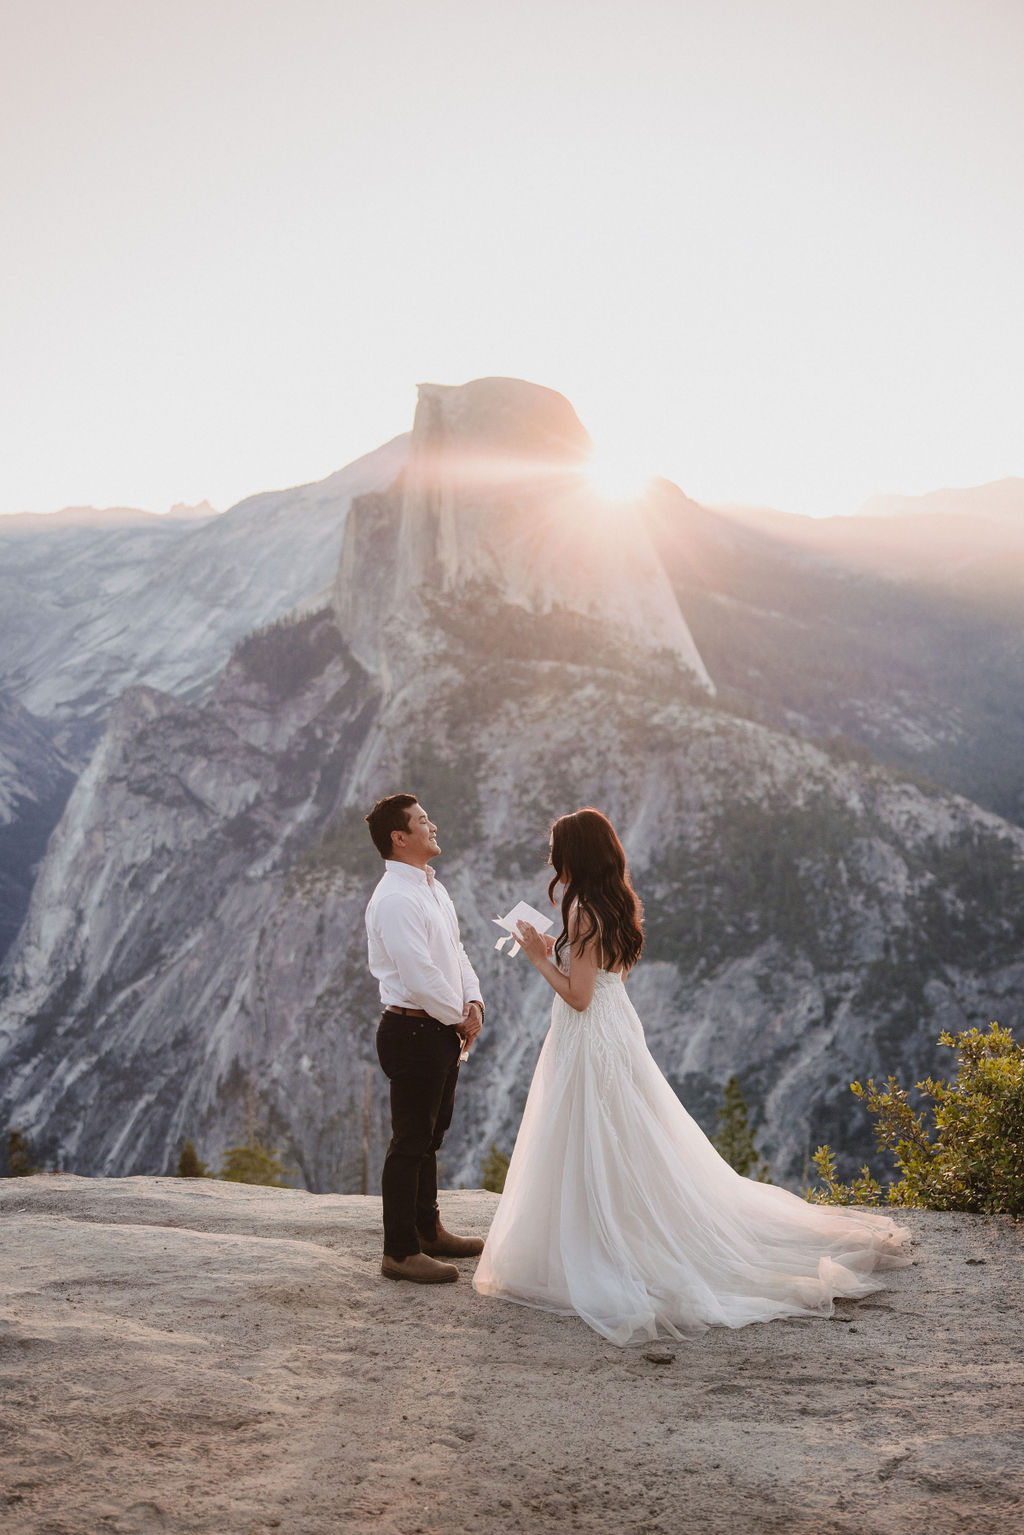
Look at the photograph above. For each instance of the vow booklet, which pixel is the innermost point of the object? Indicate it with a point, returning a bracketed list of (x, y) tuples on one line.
[(521, 912)]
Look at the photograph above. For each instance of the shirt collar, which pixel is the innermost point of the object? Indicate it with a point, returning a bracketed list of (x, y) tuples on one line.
[(408, 872)]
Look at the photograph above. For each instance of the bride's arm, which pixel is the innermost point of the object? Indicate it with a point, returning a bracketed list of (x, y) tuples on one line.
[(576, 988)]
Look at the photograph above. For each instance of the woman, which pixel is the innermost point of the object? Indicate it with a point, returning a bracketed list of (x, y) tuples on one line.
[(616, 1206)]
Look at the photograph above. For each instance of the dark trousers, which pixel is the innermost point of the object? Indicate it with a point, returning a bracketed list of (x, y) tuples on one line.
[(420, 1058)]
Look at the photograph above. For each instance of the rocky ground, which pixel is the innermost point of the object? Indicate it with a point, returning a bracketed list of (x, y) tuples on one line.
[(214, 1359)]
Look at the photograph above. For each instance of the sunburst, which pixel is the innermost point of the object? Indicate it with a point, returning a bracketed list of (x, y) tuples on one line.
[(616, 477)]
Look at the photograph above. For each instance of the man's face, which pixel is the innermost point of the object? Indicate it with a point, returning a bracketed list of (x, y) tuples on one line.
[(419, 844)]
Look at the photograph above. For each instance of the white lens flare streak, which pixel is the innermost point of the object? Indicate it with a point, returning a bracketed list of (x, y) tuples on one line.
[(616, 477)]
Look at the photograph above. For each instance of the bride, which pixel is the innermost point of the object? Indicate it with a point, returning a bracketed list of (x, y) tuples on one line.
[(616, 1206)]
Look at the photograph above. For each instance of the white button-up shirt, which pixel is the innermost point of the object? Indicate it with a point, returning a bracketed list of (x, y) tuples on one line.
[(415, 950)]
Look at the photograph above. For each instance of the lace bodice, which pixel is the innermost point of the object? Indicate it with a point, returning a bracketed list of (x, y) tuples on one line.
[(562, 963), (604, 1031)]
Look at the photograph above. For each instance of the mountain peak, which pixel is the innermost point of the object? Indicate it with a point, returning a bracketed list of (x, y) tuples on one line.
[(499, 417), (495, 505)]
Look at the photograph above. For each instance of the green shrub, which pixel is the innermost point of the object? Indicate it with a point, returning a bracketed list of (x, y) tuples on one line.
[(493, 1169), (19, 1155), (864, 1190), (971, 1157), (252, 1164)]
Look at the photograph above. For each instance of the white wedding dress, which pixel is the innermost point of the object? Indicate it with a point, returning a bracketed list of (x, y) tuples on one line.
[(618, 1209)]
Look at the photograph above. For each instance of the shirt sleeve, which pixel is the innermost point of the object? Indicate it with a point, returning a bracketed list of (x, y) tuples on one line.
[(405, 937), (471, 991)]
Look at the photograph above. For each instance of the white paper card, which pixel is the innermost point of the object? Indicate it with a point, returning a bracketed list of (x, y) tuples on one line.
[(521, 912)]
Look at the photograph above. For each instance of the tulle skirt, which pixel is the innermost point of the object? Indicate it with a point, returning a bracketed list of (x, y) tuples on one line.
[(619, 1210)]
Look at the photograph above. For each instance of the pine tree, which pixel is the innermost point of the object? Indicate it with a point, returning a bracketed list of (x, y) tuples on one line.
[(735, 1141), (19, 1155), (493, 1169), (189, 1165), (252, 1164)]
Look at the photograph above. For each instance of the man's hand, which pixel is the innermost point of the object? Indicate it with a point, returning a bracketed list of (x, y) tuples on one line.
[(472, 1022)]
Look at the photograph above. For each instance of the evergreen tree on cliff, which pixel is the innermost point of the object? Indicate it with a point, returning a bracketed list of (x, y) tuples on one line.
[(735, 1140), (19, 1155), (189, 1164), (253, 1164)]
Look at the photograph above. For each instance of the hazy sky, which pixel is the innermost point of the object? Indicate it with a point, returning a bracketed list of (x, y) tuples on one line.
[(772, 249)]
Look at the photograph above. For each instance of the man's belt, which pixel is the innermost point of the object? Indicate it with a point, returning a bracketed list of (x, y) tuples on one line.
[(409, 1012)]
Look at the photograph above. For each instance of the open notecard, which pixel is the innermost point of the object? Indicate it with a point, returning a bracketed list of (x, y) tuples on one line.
[(521, 912)]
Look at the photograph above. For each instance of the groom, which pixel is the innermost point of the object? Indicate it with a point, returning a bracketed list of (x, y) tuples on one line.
[(432, 1012)]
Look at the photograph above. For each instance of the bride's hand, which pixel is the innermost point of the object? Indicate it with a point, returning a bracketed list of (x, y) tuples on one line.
[(532, 943)]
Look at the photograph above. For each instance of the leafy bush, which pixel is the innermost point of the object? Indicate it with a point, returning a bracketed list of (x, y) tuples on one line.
[(971, 1158), (19, 1155), (253, 1164), (493, 1169), (864, 1190)]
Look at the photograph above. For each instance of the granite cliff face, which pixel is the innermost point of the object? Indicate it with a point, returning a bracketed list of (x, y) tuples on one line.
[(93, 607), (35, 781), (194, 961), (92, 603)]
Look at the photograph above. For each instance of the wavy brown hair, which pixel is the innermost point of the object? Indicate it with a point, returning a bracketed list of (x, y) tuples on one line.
[(589, 860)]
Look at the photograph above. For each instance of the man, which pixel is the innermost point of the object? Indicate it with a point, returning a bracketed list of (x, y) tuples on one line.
[(432, 1012)]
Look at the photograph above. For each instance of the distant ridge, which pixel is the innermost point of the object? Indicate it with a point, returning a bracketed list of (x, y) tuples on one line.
[(103, 517), (998, 499)]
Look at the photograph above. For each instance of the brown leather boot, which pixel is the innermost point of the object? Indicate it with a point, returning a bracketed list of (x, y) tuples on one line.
[(446, 1245), (419, 1269)]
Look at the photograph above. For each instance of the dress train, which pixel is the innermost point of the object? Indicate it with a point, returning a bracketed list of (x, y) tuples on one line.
[(617, 1208)]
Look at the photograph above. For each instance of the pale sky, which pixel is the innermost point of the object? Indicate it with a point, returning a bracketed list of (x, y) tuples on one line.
[(772, 249)]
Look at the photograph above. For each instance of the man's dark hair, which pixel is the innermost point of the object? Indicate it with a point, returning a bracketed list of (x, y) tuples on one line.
[(388, 815)]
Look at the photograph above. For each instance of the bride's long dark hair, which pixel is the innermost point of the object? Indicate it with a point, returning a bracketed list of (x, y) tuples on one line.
[(589, 860)]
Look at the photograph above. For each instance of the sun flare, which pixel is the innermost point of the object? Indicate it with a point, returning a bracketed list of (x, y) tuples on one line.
[(617, 477)]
